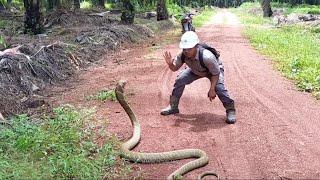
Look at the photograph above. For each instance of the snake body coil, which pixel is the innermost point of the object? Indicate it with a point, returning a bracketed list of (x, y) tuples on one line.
[(162, 156)]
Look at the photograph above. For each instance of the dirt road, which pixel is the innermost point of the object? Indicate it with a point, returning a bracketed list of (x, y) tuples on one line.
[(277, 130)]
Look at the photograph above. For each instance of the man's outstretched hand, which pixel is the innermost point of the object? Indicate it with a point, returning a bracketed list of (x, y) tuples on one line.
[(168, 58)]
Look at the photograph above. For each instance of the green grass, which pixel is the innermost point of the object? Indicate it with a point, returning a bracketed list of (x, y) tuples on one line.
[(249, 6), (108, 5), (287, 8), (175, 10), (250, 20), (3, 42), (203, 17), (18, 4), (139, 7), (62, 147), (88, 5), (302, 8), (295, 49), (103, 95), (15, 3), (297, 53), (85, 5), (245, 13), (3, 24)]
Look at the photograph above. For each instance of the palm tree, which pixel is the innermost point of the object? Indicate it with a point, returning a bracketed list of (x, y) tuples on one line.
[(33, 17), (266, 7), (127, 15), (76, 4), (162, 11)]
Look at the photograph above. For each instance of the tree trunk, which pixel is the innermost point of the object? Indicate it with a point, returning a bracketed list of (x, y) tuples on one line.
[(9, 3), (50, 5), (76, 4), (127, 15), (67, 4), (101, 4), (266, 7), (54, 4), (33, 17), (162, 11)]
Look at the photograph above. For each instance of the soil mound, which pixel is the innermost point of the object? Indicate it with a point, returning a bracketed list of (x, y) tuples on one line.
[(71, 41), (26, 69)]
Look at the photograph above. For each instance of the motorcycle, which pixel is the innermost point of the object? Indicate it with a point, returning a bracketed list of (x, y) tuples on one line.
[(186, 23)]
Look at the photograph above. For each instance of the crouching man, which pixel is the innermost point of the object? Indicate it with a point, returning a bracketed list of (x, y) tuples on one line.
[(202, 61)]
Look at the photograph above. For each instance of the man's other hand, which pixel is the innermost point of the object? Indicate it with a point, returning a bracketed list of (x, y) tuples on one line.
[(212, 94)]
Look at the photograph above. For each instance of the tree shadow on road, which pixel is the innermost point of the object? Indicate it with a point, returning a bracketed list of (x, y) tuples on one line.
[(201, 121)]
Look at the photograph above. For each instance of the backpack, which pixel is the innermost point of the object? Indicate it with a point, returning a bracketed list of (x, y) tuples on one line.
[(204, 46)]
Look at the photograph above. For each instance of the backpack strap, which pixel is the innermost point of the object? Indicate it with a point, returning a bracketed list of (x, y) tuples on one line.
[(201, 49), (182, 58), (201, 59)]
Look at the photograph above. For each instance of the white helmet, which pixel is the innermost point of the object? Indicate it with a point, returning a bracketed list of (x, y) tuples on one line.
[(188, 40)]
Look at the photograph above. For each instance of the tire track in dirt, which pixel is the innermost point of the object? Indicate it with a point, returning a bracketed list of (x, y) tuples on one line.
[(266, 100), (265, 143)]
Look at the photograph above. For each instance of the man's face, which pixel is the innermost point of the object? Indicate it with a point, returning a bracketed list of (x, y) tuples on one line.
[(190, 53)]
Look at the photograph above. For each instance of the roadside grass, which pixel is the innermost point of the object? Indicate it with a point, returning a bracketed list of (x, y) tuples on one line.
[(200, 19), (302, 8), (250, 20), (295, 49), (66, 146)]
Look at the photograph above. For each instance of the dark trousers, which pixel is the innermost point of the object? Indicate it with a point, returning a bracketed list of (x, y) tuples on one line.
[(187, 77)]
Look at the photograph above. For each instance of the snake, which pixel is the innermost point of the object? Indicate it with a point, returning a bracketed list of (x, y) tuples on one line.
[(139, 157)]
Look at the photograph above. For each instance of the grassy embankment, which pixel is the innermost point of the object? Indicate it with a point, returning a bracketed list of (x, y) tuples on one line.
[(294, 48)]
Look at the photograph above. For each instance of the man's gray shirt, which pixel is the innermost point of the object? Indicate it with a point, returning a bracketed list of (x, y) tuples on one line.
[(212, 63)]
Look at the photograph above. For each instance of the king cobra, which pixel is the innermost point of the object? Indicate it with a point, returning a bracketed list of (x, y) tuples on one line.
[(162, 156)]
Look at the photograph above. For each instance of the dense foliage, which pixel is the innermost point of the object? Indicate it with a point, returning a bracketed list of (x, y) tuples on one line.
[(33, 12)]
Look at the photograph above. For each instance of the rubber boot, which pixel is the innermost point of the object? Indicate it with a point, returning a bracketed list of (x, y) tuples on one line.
[(230, 113), (172, 108)]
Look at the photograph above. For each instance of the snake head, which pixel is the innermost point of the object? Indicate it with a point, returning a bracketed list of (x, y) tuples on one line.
[(120, 86)]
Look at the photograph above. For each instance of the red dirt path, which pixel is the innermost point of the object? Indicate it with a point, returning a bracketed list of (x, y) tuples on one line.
[(277, 131)]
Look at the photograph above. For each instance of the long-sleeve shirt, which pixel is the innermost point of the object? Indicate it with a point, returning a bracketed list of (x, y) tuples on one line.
[(212, 63)]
